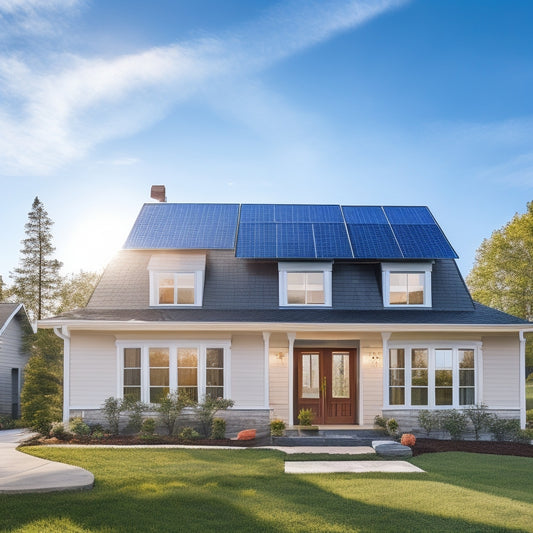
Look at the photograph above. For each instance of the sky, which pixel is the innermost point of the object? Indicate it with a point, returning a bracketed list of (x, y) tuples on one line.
[(354, 102)]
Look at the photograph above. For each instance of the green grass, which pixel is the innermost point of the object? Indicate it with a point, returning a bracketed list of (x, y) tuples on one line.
[(246, 490), (529, 395)]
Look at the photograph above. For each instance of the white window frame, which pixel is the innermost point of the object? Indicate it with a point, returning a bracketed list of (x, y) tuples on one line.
[(305, 267), (455, 347), (406, 268), (198, 287), (201, 345)]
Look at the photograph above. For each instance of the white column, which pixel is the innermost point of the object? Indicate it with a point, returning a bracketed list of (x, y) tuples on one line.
[(266, 343), (291, 337), (62, 333), (385, 336), (522, 378)]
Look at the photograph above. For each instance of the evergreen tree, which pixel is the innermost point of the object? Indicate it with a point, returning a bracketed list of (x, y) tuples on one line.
[(1, 289), (36, 281)]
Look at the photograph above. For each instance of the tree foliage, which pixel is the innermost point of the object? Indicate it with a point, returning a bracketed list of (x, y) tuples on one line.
[(36, 280), (76, 289), (502, 276)]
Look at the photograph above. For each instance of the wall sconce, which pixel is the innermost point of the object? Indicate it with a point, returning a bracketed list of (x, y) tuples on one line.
[(374, 358), (280, 356)]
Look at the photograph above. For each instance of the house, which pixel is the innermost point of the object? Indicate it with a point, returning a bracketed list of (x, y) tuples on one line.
[(351, 311), (14, 323)]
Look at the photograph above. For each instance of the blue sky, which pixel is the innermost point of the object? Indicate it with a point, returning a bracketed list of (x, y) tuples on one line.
[(384, 102)]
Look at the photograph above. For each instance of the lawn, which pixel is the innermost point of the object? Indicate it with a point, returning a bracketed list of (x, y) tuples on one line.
[(246, 490)]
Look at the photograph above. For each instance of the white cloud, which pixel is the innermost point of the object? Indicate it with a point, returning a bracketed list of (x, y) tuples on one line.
[(57, 107)]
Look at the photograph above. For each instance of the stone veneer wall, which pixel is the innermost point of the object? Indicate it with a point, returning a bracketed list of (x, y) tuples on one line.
[(236, 420)]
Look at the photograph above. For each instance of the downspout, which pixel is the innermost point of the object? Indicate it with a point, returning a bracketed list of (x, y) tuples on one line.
[(62, 333)]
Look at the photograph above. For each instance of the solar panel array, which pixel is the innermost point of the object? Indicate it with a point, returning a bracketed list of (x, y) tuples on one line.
[(280, 231)]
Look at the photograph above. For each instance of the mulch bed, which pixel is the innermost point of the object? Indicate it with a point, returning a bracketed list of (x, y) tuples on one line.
[(498, 448)]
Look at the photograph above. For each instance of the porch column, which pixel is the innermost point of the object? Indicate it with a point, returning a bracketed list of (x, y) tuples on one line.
[(266, 342), (385, 336), (522, 379), (63, 333), (291, 337)]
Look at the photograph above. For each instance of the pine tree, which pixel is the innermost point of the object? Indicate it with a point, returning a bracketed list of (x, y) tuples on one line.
[(36, 281), (1, 289)]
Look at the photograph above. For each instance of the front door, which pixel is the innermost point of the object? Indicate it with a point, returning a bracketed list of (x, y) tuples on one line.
[(326, 384)]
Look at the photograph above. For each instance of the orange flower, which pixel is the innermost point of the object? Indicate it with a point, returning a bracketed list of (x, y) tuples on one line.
[(408, 439)]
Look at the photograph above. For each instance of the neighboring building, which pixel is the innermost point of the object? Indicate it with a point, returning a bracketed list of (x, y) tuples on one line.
[(14, 323), (351, 311)]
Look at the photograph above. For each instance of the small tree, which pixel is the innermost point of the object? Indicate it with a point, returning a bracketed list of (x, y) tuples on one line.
[(480, 418), (454, 422), (135, 409), (207, 410), (112, 409), (170, 409)]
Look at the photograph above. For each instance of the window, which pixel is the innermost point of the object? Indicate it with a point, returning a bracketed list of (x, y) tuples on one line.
[(150, 370), (176, 279), (305, 284), (432, 375), (406, 284)]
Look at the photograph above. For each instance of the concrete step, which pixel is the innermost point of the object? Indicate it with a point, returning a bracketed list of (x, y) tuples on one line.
[(336, 437)]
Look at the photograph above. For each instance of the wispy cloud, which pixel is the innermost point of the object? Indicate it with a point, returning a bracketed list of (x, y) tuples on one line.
[(56, 107)]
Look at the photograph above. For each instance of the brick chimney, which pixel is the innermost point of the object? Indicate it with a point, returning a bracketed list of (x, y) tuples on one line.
[(158, 193)]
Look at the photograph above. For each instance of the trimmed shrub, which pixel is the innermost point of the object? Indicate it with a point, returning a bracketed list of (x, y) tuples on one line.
[(208, 408), (305, 417), (428, 420), (277, 427), (479, 417), (148, 427), (218, 429), (408, 440), (188, 433), (170, 409), (455, 423), (392, 427), (135, 411), (58, 431), (78, 427), (112, 409), (504, 429), (6, 422), (380, 421)]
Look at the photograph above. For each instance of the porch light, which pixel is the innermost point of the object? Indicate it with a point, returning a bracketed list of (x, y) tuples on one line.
[(374, 358)]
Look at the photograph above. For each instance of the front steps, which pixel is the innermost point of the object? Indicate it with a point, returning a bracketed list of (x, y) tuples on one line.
[(330, 437)]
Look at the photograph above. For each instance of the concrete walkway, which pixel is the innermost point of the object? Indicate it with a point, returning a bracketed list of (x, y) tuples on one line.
[(21, 473), (354, 467)]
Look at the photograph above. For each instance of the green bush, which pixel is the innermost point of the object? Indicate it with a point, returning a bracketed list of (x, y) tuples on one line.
[(479, 417), (148, 427), (112, 409), (392, 427), (188, 433), (78, 427), (529, 418), (305, 417), (428, 420), (504, 429), (170, 408), (218, 429), (135, 411), (455, 423), (208, 408), (58, 431), (277, 427), (380, 421), (6, 422)]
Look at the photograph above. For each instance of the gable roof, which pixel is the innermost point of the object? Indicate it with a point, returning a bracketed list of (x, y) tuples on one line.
[(8, 311), (293, 231)]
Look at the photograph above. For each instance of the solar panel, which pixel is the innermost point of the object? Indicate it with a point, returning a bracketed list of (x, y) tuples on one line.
[(364, 214), (373, 241), (256, 241), (331, 241), (409, 215), (423, 241), (184, 226), (254, 213), (295, 241)]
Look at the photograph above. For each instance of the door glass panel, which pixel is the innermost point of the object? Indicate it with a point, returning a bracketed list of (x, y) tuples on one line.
[(340, 375), (310, 375)]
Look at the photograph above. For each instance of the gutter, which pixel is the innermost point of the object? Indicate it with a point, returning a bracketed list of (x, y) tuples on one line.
[(63, 333)]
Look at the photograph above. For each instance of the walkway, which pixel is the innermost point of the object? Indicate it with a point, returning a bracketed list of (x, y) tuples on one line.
[(20, 472)]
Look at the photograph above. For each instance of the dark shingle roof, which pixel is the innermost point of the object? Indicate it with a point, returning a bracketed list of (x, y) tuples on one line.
[(6, 310), (480, 315)]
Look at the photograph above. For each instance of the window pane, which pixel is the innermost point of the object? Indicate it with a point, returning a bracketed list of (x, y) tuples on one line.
[(214, 377), (315, 288), (132, 357), (396, 396), (158, 377), (214, 358), (132, 377), (158, 393), (419, 396), (467, 396), (415, 286), (397, 358), (191, 392), (466, 378), (187, 357), (166, 296), (466, 359), (295, 288), (340, 375), (419, 358), (398, 288), (187, 377), (443, 396), (158, 357), (132, 392), (186, 288), (310, 375), (166, 288), (396, 377), (443, 378), (214, 392), (419, 378), (443, 358)]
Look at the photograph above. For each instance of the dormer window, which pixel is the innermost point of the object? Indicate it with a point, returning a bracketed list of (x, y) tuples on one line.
[(305, 284), (177, 279), (406, 284)]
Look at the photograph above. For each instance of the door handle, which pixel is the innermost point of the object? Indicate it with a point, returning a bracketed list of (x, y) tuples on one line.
[(324, 385)]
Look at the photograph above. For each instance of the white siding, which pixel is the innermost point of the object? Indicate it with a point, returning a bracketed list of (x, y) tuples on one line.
[(370, 378), (501, 372), (93, 370), (247, 371), (11, 356)]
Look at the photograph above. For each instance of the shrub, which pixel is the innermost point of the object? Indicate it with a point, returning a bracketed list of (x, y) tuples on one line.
[(380, 421), (392, 427), (428, 420), (504, 429), (112, 408), (148, 427), (135, 410), (529, 417), (277, 427), (188, 433), (479, 417), (58, 431), (408, 439), (6, 422), (208, 408), (305, 417), (524, 436), (78, 427), (218, 429), (170, 409), (96, 428), (454, 422)]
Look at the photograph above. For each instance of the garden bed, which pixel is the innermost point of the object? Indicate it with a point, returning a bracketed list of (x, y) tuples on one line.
[(474, 446)]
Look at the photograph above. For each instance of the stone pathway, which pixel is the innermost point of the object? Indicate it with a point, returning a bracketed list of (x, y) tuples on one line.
[(355, 467)]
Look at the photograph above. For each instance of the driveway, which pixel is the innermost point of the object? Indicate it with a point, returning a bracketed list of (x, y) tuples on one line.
[(20, 472)]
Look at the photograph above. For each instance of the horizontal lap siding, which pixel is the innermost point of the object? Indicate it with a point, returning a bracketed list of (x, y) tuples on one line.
[(247, 371), (371, 378), (501, 372), (93, 372)]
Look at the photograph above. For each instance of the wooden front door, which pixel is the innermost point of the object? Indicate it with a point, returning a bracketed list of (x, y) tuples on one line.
[(326, 383)]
